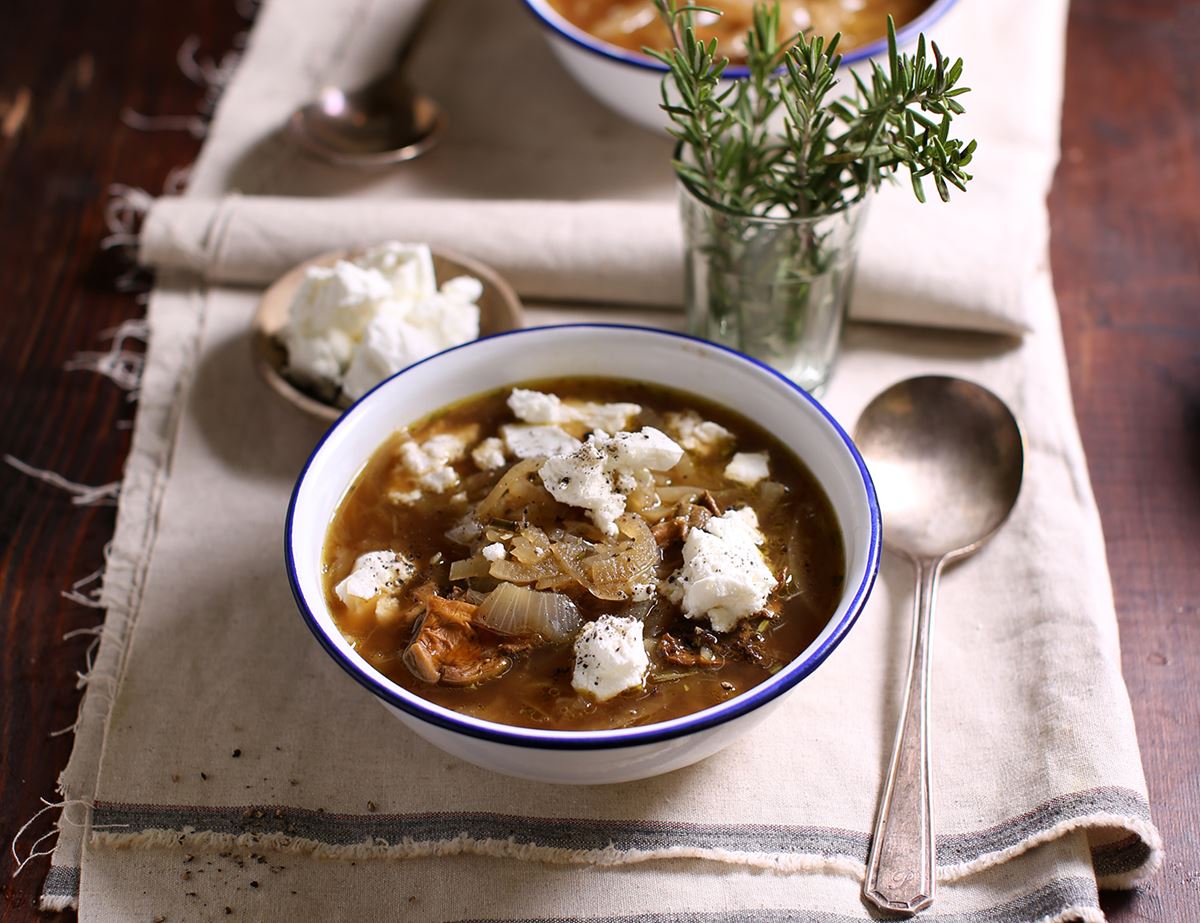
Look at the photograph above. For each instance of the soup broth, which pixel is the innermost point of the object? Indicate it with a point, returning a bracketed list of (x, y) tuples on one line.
[(635, 24), (471, 523)]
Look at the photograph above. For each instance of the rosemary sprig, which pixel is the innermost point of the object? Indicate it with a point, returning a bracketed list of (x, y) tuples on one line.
[(780, 143)]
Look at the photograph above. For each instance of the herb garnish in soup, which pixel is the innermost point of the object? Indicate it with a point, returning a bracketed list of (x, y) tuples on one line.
[(582, 553), (636, 24)]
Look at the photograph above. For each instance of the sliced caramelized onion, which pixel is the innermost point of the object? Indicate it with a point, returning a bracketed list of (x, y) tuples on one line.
[(516, 572), (529, 560), (569, 551), (469, 567), (792, 585), (643, 496), (531, 545), (659, 513), (609, 571), (581, 528), (770, 494), (515, 610), (515, 479), (558, 581), (679, 494), (616, 569)]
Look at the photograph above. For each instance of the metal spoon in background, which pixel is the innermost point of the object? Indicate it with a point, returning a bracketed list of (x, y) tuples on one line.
[(946, 456), (381, 123)]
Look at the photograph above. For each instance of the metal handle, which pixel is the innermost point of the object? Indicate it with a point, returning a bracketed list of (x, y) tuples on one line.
[(900, 867)]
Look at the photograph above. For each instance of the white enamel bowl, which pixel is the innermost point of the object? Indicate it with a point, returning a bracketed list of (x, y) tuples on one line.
[(641, 354), (628, 82)]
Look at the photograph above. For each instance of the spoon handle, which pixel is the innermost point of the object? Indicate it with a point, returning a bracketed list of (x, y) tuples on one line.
[(900, 867)]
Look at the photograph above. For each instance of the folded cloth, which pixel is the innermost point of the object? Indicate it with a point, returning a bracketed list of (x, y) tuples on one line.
[(215, 728), (571, 202), (547, 250)]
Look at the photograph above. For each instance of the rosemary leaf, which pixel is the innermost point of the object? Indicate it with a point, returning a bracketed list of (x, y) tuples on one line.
[(781, 142)]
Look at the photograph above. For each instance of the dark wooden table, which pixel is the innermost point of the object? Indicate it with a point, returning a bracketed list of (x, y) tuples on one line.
[(1126, 257)]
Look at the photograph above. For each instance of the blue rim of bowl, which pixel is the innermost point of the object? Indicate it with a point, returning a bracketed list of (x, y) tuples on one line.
[(560, 25), (534, 738)]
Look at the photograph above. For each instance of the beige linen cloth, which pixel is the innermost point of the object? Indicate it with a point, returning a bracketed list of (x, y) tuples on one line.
[(222, 761), (565, 198)]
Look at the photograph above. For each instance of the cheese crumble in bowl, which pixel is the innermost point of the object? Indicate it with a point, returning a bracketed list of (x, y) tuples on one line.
[(335, 326), (583, 554)]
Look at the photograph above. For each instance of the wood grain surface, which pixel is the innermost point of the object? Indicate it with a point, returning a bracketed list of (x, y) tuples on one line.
[(1126, 257)]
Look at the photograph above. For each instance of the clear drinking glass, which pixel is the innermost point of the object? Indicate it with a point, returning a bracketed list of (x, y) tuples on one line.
[(774, 288)]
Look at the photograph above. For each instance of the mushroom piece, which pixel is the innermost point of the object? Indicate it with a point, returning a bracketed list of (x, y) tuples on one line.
[(688, 516), (448, 648), (680, 652)]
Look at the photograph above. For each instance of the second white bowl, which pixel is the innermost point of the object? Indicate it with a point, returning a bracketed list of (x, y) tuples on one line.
[(629, 82)]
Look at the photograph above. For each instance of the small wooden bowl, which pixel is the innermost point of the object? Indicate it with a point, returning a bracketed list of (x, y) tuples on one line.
[(499, 310)]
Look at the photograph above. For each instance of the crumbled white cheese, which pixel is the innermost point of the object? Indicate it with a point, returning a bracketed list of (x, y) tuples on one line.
[(463, 288), (540, 407), (640, 592), (537, 441), (407, 267), (495, 551), (489, 454), (697, 434), (342, 297), (374, 573), (389, 344), (748, 468), (429, 461), (651, 448), (448, 318), (579, 479), (317, 361), (597, 475), (724, 574), (610, 657), (353, 324), (671, 589), (608, 417)]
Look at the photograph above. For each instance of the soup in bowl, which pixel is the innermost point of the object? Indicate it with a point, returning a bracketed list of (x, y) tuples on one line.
[(583, 554), (600, 42)]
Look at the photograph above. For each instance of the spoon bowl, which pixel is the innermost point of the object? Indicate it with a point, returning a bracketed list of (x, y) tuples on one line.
[(947, 457), (382, 123)]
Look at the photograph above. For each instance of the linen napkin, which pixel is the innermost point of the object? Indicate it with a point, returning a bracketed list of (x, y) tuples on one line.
[(220, 755), (567, 199)]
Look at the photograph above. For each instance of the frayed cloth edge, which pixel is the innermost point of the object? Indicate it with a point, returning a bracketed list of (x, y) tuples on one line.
[(380, 848), (463, 844), (1137, 826), (54, 903), (145, 478)]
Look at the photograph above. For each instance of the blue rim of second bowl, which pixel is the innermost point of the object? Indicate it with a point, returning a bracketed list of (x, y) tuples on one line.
[(535, 738), (561, 26)]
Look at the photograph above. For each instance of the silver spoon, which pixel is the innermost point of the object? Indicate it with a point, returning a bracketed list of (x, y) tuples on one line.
[(946, 456), (381, 123)]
